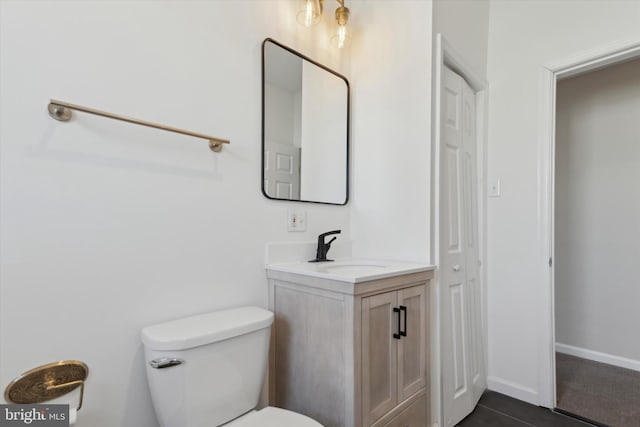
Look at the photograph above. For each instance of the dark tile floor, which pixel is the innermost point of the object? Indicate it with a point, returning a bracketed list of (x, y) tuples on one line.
[(498, 410)]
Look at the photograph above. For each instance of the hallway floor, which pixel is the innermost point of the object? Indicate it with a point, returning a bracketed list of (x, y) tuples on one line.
[(597, 391), (498, 410)]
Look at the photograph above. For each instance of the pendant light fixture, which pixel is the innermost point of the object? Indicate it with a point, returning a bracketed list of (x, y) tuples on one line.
[(310, 12)]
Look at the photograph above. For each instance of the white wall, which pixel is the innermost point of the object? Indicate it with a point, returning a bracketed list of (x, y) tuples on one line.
[(280, 112), (297, 119), (597, 211), (391, 87), (107, 227), (465, 25), (523, 36)]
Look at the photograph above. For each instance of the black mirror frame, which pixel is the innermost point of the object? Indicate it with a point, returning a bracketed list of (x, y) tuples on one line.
[(348, 136)]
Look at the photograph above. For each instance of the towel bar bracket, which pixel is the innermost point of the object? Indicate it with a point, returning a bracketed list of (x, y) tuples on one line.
[(59, 113), (215, 146)]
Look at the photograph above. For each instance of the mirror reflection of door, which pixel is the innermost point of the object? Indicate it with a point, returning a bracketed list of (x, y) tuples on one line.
[(305, 128), (282, 170)]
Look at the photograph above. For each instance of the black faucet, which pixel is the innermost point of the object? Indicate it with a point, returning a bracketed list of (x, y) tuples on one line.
[(323, 248)]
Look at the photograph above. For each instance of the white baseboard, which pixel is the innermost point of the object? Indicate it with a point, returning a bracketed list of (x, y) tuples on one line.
[(514, 390), (597, 356)]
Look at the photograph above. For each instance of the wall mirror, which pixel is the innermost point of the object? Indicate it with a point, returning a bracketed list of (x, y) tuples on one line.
[(305, 128)]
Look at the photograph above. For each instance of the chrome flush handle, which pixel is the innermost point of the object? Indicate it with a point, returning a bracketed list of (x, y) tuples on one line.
[(165, 362)]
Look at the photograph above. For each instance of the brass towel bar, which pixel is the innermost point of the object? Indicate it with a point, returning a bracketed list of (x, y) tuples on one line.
[(61, 111)]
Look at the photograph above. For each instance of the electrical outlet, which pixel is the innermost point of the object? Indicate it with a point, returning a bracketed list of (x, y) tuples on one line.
[(494, 188), (296, 220)]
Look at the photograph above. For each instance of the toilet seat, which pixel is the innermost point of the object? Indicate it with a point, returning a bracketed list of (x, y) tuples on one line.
[(274, 417)]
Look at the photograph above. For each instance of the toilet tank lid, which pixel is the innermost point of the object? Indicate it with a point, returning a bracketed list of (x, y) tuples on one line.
[(205, 328)]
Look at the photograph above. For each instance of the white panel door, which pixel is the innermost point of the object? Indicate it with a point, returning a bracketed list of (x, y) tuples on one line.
[(462, 366), (282, 171), (470, 239)]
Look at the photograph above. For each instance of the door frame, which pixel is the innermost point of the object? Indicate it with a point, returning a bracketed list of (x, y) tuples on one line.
[(445, 54), (549, 75)]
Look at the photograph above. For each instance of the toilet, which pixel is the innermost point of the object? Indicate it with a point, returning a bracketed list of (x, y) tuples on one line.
[(208, 371)]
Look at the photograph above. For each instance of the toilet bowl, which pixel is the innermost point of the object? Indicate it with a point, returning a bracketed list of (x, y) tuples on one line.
[(208, 371), (273, 417)]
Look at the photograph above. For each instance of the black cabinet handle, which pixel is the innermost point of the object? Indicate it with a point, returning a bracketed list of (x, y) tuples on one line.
[(404, 332), (397, 336)]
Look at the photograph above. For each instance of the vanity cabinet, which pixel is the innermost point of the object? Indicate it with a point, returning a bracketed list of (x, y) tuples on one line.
[(393, 349), (351, 354)]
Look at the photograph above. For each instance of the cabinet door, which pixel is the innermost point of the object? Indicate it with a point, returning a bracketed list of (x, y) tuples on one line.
[(412, 358), (379, 356), (414, 416)]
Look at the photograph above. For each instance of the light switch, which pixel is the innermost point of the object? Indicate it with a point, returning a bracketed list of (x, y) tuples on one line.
[(296, 220), (494, 188)]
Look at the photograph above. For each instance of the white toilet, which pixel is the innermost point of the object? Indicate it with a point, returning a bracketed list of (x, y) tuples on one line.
[(208, 370)]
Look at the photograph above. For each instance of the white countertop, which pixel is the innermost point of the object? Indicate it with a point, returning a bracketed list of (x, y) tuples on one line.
[(351, 270)]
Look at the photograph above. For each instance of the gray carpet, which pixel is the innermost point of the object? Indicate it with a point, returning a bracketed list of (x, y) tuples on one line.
[(597, 391)]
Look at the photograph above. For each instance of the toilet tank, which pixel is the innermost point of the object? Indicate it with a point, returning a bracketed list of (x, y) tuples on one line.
[(208, 369)]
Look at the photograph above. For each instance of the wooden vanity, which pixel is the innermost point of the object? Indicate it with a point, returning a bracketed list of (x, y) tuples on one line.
[(351, 348)]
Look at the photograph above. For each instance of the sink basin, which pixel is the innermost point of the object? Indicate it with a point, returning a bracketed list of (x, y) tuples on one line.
[(350, 270)]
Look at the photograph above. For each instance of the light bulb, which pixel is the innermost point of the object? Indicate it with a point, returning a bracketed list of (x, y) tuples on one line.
[(343, 35), (309, 14)]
